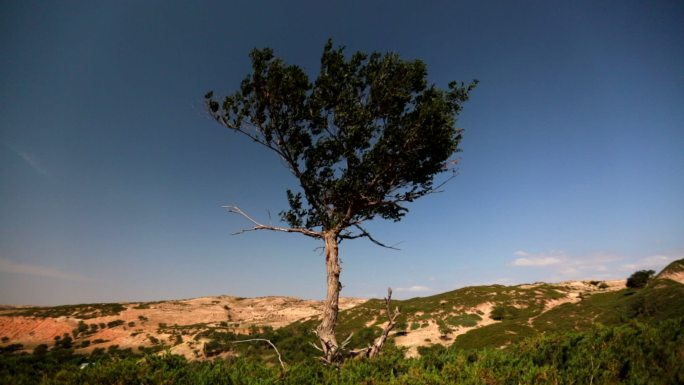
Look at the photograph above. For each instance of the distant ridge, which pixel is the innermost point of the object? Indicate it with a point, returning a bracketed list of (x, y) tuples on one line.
[(674, 271)]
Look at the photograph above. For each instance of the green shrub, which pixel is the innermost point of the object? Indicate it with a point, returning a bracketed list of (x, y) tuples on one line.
[(502, 312), (40, 349), (633, 353), (11, 348), (113, 324), (640, 279)]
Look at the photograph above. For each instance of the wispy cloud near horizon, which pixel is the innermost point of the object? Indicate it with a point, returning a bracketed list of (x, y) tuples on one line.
[(536, 261), (31, 159), (650, 262), (414, 289), (542, 259), (559, 265), (9, 266)]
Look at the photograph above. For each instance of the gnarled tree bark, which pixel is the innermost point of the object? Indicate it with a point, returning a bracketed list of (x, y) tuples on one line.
[(326, 330)]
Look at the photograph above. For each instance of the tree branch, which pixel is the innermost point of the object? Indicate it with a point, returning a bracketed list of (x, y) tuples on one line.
[(392, 317), (260, 226), (365, 234), (282, 364), (374, 349)]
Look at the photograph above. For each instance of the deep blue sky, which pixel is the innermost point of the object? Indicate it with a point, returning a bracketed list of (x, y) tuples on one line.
[(112, 175)]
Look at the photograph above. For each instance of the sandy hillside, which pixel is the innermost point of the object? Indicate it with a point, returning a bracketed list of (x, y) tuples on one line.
[(178, 324), (154, 323)]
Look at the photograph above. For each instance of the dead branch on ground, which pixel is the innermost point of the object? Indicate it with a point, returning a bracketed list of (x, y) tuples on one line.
[(282, 364)]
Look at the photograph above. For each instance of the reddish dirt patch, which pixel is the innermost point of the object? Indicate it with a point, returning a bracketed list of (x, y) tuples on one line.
[(34, 331), (165, 321)]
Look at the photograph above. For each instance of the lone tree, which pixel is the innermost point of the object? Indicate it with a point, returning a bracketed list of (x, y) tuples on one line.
[(640, 279), (367, 136)]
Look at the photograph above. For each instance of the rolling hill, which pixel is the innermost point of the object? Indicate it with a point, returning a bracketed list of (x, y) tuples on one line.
[(476, 317)]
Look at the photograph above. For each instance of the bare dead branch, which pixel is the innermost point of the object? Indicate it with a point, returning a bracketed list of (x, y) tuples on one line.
[(374, 349), (282, 364), (365, 234), (392, 317), (260, 226), (346, 342), (316, 346)]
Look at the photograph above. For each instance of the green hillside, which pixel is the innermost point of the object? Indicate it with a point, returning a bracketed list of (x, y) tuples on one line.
[(633, 353), (475, 317), (517, 312), (572, 333)]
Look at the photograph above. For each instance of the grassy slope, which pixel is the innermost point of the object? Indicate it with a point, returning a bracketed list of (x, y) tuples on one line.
[(522, 309), (660, 300), (519, 310), (634, 353)]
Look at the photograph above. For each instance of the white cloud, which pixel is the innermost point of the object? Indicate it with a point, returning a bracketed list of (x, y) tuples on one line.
[(536, 261), (557, 265), (414, 289), (653, 262), (9, 266), (31, 159)]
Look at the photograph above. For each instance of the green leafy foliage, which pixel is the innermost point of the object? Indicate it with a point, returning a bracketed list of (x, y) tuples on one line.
[(84, 311), (115, 323), (633, 353), (640, 278), (367, 134), (501, 312)]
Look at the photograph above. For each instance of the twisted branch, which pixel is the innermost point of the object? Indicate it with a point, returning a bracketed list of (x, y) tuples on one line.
[(260, 226), (363, 233), (376, 347)]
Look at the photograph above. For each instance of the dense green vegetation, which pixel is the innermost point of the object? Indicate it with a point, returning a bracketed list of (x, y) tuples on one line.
[(632, 353), (519, 311), (82, 311)]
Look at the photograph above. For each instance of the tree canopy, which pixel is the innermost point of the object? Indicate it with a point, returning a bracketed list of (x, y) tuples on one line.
[(366, 136), (640, 279)]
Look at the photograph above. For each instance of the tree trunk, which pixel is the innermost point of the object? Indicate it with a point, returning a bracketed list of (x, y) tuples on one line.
[(326, 330)]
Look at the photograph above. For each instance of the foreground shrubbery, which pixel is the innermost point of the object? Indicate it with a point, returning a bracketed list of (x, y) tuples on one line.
[(632, 354)]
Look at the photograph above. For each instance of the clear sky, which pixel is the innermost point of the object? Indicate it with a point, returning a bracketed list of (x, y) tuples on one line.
[(112, 176)]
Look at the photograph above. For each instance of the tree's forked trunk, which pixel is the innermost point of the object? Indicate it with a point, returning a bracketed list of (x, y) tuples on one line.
[(326, 330)]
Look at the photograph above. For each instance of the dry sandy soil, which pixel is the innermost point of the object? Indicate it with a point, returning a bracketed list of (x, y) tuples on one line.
[(147, 324), (143, 324), (431, 335), (677, 276)]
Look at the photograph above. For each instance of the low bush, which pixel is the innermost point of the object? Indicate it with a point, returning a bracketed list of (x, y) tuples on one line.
[(633, 353), (640, 279)]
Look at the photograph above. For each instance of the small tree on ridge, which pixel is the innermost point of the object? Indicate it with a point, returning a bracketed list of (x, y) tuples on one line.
[(367, 136), (640, 278)]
